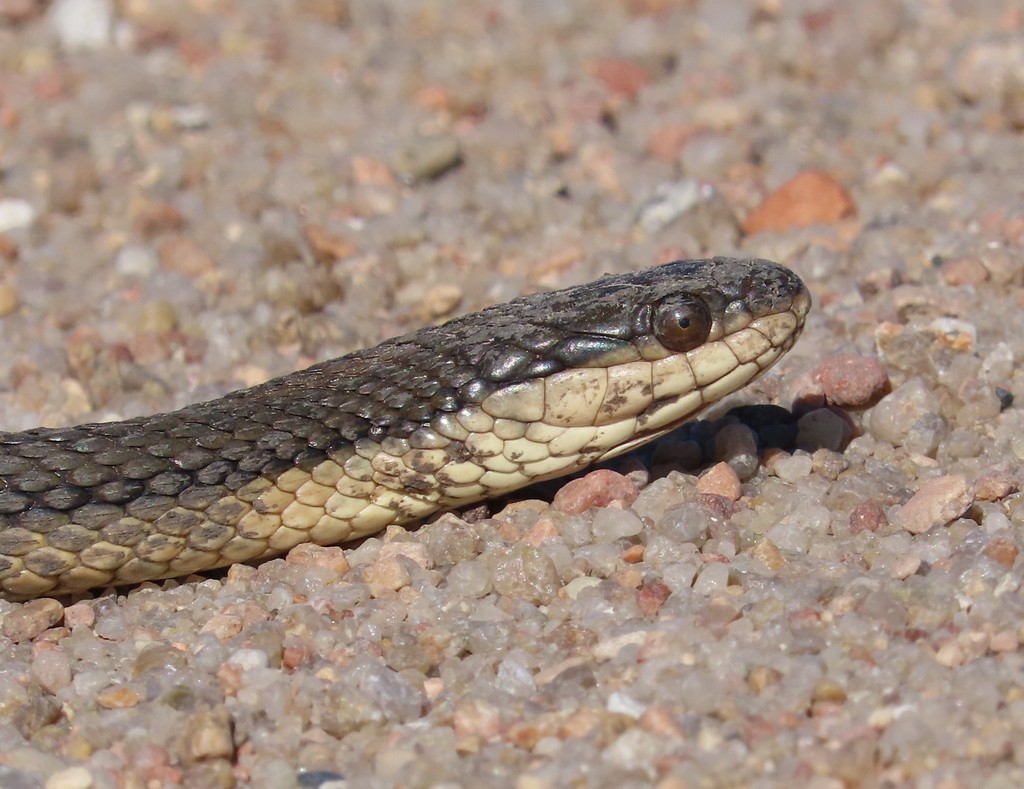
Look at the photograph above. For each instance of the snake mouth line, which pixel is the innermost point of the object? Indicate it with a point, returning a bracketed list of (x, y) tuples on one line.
[(449, 415)]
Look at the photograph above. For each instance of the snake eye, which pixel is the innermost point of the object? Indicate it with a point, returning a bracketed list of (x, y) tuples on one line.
[(682, 324)]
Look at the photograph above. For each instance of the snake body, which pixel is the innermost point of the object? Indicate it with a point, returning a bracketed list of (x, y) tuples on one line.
[(440, 418)]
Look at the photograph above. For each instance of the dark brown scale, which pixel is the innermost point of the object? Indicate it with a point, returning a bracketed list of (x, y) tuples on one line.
[(119, 491), (33, 481), (71, 537), (96, 515), (199, 497), (90, 474), (66, 497), (149, 507), (170, 483)]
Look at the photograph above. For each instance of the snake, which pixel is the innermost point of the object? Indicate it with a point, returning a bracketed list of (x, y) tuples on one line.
[(438, 419)]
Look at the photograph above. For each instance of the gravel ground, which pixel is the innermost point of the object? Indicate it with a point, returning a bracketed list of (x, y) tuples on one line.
[(198, 195)]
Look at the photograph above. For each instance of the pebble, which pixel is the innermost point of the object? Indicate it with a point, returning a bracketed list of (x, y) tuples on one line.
[(1003, 551), (768, 553), (622, 77), (892, 417), (387, 575), (985, 69), (790, 468), (426, 158), (711, 579), (523, 572), (309, 555), (158, 317), (328, 246), (822, 429), (8, 249), (597, 489), (937, 502), (15, 214), (183, 255), (207, 735), (136, 260), (736, 444), (15, 11), (688, 523), (852, 381), (720, 480), (441, 299), (70, 778), (867, 516), (8, 299), (31, 619), (809, 198), (118, 698), (670, 201), (82, 24), (995, 485), (52, 669), (610, 525), (960, 271)]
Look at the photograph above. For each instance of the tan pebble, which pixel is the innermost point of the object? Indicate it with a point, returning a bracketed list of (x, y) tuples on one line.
[(477, 716), (826, 689), (387, 575), (8, 299), (328, 246), (937, 502), (413, 551), (157, 317), (634, 554), (207, 735), (367, 171), (222, 626), (809, 198), (995, 485), (761, 677), (184, 256), (118, 698), (906, 566), (441, 299), (32, 619), (79, 615), (153, 218), (950, 655), (1003, 551), (426, 157), (768, 553), (71, 777), (310, 555), (721, 480), (543, 529), (433, 687), (963, 271), (1004, 641)]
